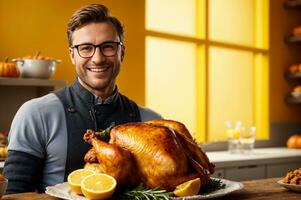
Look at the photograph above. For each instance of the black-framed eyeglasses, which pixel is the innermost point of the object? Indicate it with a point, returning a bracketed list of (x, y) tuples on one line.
[(107, 49)]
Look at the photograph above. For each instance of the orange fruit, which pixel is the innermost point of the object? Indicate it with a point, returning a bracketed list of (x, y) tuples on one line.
[(294, 68), (298, 142), (188, 188), (75, 178), (292, 141), (98, 186), (297, 88)]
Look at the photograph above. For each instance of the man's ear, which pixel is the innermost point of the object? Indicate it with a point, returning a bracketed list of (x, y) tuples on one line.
[(71, 54), (122, 52)]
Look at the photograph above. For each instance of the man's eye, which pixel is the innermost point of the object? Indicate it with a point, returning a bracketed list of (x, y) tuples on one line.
[(108, 47), (86, 48)]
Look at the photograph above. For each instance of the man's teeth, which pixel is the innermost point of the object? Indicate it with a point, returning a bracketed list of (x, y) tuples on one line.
[(99, 69)]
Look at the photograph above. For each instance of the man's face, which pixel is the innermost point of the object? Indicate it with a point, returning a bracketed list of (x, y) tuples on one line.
[(97, 73)]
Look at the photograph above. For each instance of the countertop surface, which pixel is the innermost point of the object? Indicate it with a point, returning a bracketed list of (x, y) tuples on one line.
[(258, 156)]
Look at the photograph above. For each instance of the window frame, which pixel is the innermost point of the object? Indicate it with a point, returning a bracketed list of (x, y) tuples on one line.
[(261, 65)]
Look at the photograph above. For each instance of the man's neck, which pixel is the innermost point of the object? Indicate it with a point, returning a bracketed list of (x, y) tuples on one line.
[(103, 94)]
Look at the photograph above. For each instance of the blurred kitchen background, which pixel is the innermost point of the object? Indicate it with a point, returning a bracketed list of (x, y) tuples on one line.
[(201, 62)]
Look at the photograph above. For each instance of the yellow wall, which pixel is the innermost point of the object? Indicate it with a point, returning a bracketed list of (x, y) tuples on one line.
[(34, 25)]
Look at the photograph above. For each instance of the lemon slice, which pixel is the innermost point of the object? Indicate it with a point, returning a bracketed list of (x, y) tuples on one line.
[(188, 188), (98, 186), (233, 133), (75, 178)]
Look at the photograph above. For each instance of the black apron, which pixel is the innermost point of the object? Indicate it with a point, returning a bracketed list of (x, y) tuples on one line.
[(82, 114)]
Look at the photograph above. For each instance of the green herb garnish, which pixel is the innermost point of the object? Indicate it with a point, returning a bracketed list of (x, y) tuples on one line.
[(141, 192), (104, 134), (107, 130), (212, 185)]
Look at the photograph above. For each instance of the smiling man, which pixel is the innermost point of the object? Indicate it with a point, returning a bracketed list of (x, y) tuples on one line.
[(46, 136), (97, 53)]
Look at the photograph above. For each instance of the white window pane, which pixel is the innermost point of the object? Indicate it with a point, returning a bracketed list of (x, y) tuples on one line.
[(232, 21), (171, 16), (230, 89), (170, 82)]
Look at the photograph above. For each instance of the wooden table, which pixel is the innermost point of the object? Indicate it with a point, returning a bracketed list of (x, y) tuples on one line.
[(28, 196), (265, 189)]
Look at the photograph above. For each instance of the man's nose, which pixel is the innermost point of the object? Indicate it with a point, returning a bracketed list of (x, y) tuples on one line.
[(98, 55)]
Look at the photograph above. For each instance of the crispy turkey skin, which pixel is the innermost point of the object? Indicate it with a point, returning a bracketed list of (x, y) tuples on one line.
[(152, 153)]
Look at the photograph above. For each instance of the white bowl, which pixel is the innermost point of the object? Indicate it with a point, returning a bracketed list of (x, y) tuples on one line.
[(33, 68), (293, 187), (296, 94)]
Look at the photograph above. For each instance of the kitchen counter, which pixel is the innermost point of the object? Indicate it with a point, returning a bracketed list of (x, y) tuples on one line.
[(264, 189), (261, 163), (258, 156)]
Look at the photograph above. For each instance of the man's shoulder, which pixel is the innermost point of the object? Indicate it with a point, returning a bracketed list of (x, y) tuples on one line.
[(148, 114), (41, 104), (145, 113), (48, 101)]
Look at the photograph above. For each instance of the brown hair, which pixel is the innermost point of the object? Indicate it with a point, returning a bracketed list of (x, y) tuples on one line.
[(93, 13)]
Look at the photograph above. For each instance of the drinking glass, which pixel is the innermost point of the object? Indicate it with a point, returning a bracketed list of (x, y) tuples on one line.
[(233, 133), (247, 139)]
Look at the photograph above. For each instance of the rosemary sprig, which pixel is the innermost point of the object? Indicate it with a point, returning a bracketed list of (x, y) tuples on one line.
[(104, 134), (212, 185), (107, 130), (141, 192)]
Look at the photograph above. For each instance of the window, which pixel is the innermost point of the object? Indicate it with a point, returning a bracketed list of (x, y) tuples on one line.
[(207, 62)]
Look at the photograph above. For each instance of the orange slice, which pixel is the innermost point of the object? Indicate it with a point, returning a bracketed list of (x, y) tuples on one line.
[(188, 188), (75, 178), (98, 186)]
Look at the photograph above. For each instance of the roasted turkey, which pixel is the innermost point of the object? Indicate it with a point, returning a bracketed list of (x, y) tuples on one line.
[(158, 153)]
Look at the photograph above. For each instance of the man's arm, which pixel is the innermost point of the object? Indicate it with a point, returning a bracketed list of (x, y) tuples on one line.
[(26, 150), (24, 172)]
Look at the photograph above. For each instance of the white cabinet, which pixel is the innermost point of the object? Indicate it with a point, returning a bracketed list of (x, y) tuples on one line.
[(280, 170), (262, 163), (248, 172), (241, 173)]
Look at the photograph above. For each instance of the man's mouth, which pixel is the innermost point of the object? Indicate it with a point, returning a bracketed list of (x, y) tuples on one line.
[(99, 69)]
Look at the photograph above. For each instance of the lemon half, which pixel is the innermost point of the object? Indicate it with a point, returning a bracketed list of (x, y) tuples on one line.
[(188, 188), (98, 186), (75, 178)]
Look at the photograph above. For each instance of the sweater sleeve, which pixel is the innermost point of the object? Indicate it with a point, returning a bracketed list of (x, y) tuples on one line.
[(26, 145), (23, 171)]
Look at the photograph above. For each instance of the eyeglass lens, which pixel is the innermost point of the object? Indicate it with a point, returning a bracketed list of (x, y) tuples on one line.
[(107, 49)]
